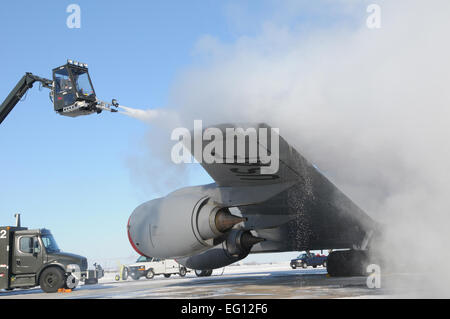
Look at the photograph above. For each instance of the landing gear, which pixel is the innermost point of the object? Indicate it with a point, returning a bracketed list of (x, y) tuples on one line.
[(347, 263), (203, 273), (135, 276)]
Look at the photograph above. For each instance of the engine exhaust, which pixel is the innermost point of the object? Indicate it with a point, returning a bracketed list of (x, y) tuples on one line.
[(247, 240), (224, 220)]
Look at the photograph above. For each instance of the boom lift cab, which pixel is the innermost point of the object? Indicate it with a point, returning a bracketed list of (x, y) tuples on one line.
[(30, 258), (72, 92)]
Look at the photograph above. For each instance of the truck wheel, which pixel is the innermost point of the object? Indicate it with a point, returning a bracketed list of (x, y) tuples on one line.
[(117, 277), (182, 272), (304, 266), (150, 274), (167, 275), (91, 281), (315, 266), (293, 266), (51, 279), (71, 282), (324, 264)]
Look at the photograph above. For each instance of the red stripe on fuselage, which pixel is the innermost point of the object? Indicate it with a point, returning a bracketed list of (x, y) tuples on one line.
[(131, 241)]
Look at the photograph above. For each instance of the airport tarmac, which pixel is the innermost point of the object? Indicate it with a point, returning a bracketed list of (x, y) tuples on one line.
[(256, 281)]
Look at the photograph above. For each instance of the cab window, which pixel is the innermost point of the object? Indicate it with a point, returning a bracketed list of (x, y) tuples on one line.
[(26, 245), (144, 259), (83, 85)]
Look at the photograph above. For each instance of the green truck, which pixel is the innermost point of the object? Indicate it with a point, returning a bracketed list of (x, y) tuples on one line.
[(30, 258)]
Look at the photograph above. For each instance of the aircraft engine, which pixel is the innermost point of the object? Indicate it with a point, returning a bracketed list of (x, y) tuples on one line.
[(235, 247), (179, 224)]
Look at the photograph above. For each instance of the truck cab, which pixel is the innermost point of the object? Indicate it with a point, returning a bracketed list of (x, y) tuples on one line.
[(30, 258), (149, 267)]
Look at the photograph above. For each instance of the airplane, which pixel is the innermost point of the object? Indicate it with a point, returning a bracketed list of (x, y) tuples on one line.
[(245, 211)]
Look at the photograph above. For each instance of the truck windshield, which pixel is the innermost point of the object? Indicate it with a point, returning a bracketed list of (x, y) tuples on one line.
[(50, 244), (143, 259)]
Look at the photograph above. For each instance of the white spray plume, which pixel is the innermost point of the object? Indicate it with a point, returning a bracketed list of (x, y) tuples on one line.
[(143, 115), (159, 117)]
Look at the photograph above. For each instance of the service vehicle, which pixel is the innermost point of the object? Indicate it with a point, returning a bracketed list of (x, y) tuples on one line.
[(149, 267), (31, 257), (307, 259)]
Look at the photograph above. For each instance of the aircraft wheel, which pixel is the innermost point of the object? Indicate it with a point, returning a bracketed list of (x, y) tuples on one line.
[(347, 263), (125, 273), (203, 273), (199, 273), (135, 276)]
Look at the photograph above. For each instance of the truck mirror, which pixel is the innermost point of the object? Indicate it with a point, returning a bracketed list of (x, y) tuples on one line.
[(36, 247)]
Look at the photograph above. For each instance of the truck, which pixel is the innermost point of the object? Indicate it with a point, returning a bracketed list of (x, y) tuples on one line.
[(149, 267), (307, 259), (31, 257)]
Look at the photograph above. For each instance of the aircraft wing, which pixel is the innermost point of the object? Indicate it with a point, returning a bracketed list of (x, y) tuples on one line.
[(248, 170), (297, 207)]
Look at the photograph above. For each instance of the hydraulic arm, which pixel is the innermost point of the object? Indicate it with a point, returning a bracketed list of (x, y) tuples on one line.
[(25, 83)]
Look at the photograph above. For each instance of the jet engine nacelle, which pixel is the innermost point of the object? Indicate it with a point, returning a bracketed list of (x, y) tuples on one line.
[(178, 225), (235, 247)]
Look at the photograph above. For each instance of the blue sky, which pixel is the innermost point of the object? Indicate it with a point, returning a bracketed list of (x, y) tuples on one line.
[(70, 175)]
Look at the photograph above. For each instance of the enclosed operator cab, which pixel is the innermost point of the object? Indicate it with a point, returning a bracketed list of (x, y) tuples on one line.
[(73, 93)]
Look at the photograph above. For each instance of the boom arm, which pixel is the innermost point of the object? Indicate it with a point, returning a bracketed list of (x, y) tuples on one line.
[(25, 83)]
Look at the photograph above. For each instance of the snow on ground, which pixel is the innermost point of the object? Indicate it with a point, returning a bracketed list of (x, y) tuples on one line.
[(256, 269)]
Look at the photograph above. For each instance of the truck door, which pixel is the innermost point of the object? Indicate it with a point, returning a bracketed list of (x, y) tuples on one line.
[(27, 255), (158, 266), (172, 266)]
